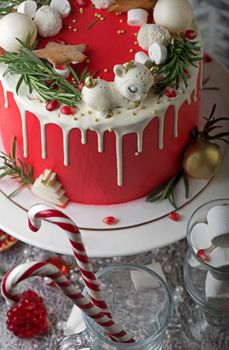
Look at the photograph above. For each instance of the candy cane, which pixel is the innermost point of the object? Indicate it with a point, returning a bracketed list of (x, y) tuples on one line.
[(43, 211), (44, 269)]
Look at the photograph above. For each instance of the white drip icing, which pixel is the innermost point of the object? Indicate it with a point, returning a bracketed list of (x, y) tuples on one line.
[(139, 140), (161, 131), (24, 129), (65, 146), (83, 137), (43, 140), (201, 73), (119, 141), (100, 141), (6, 101)]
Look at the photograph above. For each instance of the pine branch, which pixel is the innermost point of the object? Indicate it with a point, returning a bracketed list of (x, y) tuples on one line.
[(181, 54), (15, 168), (39, 76)]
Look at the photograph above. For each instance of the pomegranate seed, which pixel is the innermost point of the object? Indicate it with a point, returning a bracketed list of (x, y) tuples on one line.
[(68, 110), (174, 216), (82, 3), (207, 58), (11, 239), (61, 66), (202, 255), (169, 92), (110, 220), (190, 34), (52, 105), (60, 41)]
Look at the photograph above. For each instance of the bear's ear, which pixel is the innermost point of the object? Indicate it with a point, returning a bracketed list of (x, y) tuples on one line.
[(120, 70)]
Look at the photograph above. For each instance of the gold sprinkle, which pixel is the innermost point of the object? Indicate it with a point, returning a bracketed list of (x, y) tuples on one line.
[(123, 31), (135, 34), (106, 70), (110, 129), (136, 153), (136, 43), (102, 18), (119, 32), (121, 20), (82, 114), (81, 10), (96, 14), (74, 21), (117, 13), (96, 120), (87, 60), (89, 112), (143, 107), (154, 111), (134, 113), (131, 50), (75, 30), (69, 27), (74, 118)]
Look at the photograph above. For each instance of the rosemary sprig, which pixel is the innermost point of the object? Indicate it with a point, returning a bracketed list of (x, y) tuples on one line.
[(211, 125), (7, 6), (39, 76), (15, 168), (167, 190), (181, 54)]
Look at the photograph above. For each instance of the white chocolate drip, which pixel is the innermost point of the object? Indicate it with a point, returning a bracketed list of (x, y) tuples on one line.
[(43, 140), (6, 101), (161, 131), (100, 141), (24, 129), (65, 145), (83, 137), (176, 116), (139, 140), (119, 141)]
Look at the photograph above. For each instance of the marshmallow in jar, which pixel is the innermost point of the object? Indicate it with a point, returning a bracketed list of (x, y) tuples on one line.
[(218, 222), (175, 15)]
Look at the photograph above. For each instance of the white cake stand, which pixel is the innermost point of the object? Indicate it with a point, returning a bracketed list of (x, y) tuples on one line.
[(141, 226)]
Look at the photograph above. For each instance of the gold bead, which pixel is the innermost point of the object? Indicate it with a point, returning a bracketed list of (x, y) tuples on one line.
[(136, 43), (119, 32), (110, 129), (81, 10), (74, 20), (135, 34), (102, 18), (96, 120), (106, 70), (121, 20), (75, 30), (69, 27), (131, 50), (136, 153)]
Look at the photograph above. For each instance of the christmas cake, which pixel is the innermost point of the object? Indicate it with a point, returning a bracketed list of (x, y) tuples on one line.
[(97, 97)]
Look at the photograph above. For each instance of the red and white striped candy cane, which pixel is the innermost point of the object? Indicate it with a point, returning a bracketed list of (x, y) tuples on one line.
[(44, 269), (43, 211)]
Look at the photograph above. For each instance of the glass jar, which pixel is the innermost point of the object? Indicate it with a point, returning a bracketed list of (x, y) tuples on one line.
[(208, 285), (139, 301)]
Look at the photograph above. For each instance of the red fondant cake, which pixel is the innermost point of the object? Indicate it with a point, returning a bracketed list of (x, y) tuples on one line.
[(101, 157)]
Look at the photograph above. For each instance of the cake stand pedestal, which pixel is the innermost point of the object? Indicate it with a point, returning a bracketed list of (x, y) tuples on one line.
[(141, 226)]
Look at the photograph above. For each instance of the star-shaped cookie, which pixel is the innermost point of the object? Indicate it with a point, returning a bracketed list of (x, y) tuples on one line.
[(126, 5)]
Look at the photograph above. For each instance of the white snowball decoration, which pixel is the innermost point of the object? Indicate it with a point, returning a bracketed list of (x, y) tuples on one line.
[(137, 17), (16, 25), (28, 7), (175, 15), (158, 53), (63, 7), (102, 4), (48, 21), (153, 33)]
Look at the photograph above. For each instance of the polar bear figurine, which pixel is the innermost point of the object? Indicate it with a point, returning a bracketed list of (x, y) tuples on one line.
[(131, 86)]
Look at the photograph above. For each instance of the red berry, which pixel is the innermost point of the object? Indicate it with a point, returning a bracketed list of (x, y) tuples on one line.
[(110, 220), (60, 41), (202, 255), (174, 216), (169, 92), (11, 238), (28, 317), (207, 58), (2, 244), (60, 66), (190, 34), (68, 110), (52, 105)]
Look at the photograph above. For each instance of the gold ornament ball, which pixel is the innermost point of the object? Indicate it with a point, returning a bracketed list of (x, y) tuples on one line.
[(202, 160)]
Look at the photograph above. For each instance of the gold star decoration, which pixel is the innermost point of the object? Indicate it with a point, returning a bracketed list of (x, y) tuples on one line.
[(56, 53), (126, 5)]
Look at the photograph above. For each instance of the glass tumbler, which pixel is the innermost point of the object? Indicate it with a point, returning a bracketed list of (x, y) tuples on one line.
[(140, 301), (208, 285)]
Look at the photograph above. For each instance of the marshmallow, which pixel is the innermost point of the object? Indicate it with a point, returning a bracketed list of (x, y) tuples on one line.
[(75, 323), (141, 57), (153, 33), (137, 17), (28, 7), (218, 221), (142, 279), (157, 53), (200, 237), (216, 289), (62, 7), (62, 71)]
